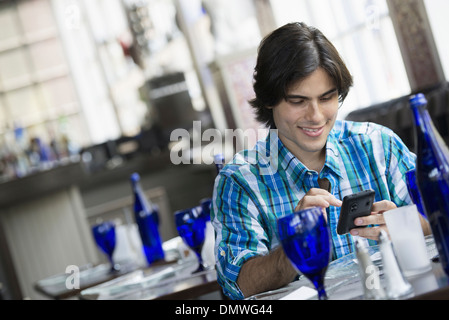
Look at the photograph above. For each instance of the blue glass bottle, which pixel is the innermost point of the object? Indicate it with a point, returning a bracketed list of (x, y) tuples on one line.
[(147, 219), (432, 174), (219, 161)]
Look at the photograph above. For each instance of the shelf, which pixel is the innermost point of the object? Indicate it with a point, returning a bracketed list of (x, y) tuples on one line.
[(48, 119)]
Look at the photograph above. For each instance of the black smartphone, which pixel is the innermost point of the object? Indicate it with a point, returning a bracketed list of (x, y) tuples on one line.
[(355, 205)]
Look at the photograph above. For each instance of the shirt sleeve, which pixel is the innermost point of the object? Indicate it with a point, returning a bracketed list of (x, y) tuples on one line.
[(239, 233), (400, 160)]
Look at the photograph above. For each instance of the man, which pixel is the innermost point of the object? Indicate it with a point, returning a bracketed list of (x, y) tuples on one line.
[(310, 159)]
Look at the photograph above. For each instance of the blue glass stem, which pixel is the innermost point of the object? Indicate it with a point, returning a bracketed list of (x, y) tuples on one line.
[(201, 266), (322, 293), (319, 285), (111, 261)]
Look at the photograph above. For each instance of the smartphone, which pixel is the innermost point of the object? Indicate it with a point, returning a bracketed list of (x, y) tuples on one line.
[(356, 205)]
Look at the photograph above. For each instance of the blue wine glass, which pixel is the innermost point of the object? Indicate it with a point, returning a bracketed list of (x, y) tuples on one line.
[(306, 240), (191, 226), (205, 207), (104, 234)]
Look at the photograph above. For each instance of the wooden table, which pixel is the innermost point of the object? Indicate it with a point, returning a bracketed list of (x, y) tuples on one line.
[(55, 287), (343, 281), (191, 287), (171, 282)]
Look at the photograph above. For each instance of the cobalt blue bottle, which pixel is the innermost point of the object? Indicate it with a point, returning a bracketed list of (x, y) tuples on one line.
[(219, 161), (432, 175), (147, 219)]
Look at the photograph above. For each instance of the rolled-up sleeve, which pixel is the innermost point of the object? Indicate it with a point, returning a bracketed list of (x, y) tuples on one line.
[(239, 233)]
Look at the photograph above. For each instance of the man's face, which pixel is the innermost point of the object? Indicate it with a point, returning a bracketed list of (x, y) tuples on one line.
[(307, 115)]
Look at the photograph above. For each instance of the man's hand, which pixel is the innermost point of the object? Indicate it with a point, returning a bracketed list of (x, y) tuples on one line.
[(375, 218), (317, 197)]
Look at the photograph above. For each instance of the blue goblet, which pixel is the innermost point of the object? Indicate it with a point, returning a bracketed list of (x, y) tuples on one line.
[(306, 240), (191, 226), (104, 234), (205, 207)]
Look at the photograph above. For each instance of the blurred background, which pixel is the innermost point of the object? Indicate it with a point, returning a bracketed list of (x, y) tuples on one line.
[(90, 91)]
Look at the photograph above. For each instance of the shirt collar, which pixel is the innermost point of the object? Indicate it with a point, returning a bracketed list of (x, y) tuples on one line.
[(292, 166), (332, 155)]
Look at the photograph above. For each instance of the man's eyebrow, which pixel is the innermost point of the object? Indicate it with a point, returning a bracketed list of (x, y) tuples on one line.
[(329, 92), (296, 96)]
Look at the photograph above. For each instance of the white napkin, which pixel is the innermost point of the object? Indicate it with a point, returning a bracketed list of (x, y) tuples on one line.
[(302, 293)]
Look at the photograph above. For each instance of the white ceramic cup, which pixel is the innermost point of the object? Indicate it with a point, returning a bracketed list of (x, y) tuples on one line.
[(408, 240)]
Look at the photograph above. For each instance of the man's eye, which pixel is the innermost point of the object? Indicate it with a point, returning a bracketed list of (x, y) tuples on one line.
[(296, 102), (328, 97)]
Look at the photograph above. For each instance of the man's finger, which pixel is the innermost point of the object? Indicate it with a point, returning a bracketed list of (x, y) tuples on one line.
[(374, 218)]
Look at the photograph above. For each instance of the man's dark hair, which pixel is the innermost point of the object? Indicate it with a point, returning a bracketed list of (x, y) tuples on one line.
[(288, 54)]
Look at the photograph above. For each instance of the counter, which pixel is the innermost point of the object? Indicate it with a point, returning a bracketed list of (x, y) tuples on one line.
[(40, 183)]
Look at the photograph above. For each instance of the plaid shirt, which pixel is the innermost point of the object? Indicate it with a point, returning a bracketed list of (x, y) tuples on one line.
[(258, 186)]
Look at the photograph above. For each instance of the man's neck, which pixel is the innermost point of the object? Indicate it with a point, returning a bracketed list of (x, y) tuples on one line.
[(314, 162)]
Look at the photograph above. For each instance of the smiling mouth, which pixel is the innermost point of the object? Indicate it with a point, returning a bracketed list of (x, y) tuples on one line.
[(312, 132)]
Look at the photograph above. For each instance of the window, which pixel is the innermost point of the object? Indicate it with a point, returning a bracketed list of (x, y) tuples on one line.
[(233, 25), (36, 88), (437, 11)]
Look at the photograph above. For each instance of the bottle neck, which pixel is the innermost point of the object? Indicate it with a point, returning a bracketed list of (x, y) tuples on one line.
[(141, 195), (219, 162), (423, 121)]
